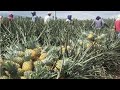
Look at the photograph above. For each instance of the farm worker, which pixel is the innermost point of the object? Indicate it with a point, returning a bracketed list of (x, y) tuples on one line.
[(99, 23), (47, 18), (10, 17), (69, 18), (34, 16), (117, 25)]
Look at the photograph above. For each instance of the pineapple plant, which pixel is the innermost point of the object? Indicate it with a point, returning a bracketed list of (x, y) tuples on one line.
[(10, 70)]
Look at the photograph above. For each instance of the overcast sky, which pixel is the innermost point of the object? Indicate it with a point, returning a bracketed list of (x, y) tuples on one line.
[(63, 14)]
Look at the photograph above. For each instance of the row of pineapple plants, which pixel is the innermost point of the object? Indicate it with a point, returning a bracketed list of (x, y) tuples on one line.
[(77, 46)]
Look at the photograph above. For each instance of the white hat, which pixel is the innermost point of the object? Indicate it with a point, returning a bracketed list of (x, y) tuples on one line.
[(49, 13)]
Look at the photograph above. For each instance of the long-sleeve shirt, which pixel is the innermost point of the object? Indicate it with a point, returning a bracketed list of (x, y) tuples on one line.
[(98, 23), (34, 18), (46, 19), (117, 25)]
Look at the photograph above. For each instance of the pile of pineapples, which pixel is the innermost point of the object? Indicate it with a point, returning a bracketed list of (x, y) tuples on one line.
[(21, 62)]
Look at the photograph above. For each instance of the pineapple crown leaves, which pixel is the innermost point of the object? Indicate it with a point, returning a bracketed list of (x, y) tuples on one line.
[(11, 68), (42, 73)]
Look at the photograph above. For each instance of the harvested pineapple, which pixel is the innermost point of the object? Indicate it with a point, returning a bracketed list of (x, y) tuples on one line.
[(63, 49), (38, 51), (90, 36), (81, 43), (88, 45), (18, 60), (58, 65), (20, 71), (4, 77), (27, 66), (23, 77), (20, 54), (43, 56), (30, 52)]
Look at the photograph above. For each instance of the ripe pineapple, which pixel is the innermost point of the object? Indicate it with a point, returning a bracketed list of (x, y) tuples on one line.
[(4, 77), (38, 51), (88, 45), (27, 66), (58, 65), (20, 71), (43, 56), (30, 52), (63, 49), (80, 42), (68, 47), (23, 77), (90, 36), (18, 60), (20, 54)]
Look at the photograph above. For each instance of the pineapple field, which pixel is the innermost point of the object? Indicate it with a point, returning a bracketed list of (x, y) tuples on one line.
[(58, 50)]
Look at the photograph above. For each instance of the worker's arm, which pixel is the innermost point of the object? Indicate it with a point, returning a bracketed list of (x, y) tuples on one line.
[(93, 23)]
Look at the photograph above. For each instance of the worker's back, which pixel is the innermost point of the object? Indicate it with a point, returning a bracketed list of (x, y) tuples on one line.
[(46, 19), (98, 23), (117, 24)]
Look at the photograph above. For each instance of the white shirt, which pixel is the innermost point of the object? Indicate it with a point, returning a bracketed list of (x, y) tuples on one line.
[(34, 18), (67, 20), (46, 19)]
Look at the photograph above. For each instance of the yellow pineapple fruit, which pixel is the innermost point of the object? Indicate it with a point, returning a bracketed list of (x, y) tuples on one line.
[(18, 60), (68, 48), (4, 77), (30, 52), (23, 77), (90, 36), (81, 43), (63, 49), (20, 71), (20, 54), (27, 66), (58, 65), (43, 56), (38, 51), (88, 45)]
